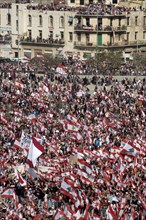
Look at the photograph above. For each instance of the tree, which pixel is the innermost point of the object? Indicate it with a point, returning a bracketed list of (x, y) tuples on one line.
[(139, 61), (45, 62), (106, 60)]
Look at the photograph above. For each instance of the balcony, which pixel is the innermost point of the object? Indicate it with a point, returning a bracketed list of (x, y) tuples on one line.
[(101, 15), (85, 46), (5, 39), (42, 42), (84, 28), (104, 29), (107, 29), (124, 44), (144, 27)]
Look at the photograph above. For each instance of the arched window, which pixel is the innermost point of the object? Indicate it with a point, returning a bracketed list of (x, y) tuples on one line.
[(61, 21), (29, 20), (9, 18), (40, 20), (51, 21)]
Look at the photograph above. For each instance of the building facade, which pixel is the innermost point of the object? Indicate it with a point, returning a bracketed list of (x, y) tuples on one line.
[(26, 29)]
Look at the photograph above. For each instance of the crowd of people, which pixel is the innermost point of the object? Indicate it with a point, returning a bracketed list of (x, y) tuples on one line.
[(72, 151), (74, 65), (91, 8)]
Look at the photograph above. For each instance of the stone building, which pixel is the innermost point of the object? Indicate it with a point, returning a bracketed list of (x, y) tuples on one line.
[(31, 29)]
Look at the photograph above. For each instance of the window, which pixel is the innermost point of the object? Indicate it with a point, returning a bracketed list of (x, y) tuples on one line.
[(88, 21), (29, 34), (119, 37), (70, 36), (16, 42), (144, 35), (9, 18), (16, 54), (51, 34), (136, 20), (81, 2), (72, 1), (70, 20), (62, 35), (17, 9), (128, 21), (87, 38), (119, 22), (79, 37), (51, 21), (128, 36), (40, 34), (29, 20), (135, 35), (61, 21), (16, 25), (144, 20), (40, 20)]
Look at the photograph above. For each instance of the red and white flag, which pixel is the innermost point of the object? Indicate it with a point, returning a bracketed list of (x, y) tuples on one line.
[(61, 70), (19, 84), (35, 150), (20, 179), (72, 127), (67, 189), (7, 193)]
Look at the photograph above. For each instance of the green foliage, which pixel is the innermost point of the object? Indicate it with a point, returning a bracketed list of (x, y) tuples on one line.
[(105, 60), (139, 60), (47, 61)]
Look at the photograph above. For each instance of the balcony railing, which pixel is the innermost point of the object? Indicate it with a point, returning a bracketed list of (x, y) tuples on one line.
[(85, 45), (124, 44), (110, 45), (43, 42), (94, 14), (84, 28)]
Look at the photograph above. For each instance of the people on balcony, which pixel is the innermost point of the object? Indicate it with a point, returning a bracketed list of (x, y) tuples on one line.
[(49, 40)]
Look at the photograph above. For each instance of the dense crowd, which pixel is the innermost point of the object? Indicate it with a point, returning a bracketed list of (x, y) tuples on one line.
[(90, 147), (92, 8), (74, 66)]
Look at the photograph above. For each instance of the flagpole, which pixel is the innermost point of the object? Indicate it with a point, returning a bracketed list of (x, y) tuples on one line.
[(97, 42), (18, 41)]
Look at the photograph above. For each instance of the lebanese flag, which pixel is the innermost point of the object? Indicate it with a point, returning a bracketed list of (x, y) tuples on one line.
[(35, 150), (20, 179), (68, 212), (32, 118), (77, 136), (19, 84), (85, 166), (72, 118), (66, 189), (112, 213), (7, 193), (61, 70), (17, 144), (72, 127), (128, 148)]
